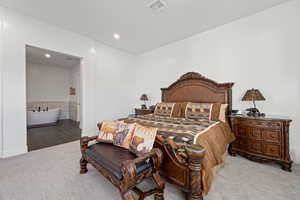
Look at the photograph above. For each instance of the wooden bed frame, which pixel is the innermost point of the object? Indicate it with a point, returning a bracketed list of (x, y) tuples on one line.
[(186, 173)]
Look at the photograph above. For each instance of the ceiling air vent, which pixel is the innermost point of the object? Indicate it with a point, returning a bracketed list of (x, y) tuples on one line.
[(157, 5)]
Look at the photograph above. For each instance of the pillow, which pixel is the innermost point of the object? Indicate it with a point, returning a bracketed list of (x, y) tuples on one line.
[(176, 110), (179, 110), (164, 109), (142, 140), (215, 112), (124, 135), (218, 112), (198, 110), (183, 107), (108, 131), (222, 115)]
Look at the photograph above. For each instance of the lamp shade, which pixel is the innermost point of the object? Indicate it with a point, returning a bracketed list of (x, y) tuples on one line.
[(253, 95), (144, 97)]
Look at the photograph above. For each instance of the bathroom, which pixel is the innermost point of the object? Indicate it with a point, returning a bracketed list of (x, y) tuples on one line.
[(52, 98)]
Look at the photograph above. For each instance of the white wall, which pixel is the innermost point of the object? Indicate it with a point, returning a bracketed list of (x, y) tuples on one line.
[(118, 94), (74, 82), (74, 106), (1, 68), (21, 30), (47, 83), (260, 51)]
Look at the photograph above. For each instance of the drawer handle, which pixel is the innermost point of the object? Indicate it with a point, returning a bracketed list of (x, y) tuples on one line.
[(273, 150)]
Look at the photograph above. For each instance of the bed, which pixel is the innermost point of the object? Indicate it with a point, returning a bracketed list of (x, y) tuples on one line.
[(193, 149)]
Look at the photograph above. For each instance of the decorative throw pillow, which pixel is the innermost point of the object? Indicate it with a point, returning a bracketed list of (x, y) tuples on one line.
[(183, 107), (198, 110), (222, 115), (215, 112), (179, 110), (176, 110), (124, 135), (142, 140), (164, 109), (218, 112), (108, 131)]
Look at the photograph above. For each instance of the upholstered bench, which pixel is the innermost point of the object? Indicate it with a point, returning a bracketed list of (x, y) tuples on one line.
[(122, 168)]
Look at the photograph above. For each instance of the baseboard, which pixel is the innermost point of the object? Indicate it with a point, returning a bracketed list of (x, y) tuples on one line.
[(295, 155)]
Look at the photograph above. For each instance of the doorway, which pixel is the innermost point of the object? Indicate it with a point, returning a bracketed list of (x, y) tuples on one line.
[(52, 98)]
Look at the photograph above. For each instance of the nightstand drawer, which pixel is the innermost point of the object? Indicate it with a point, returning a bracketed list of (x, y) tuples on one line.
[(241, 131), (273, 150), (249, 132), (271, 136), (255, 133), (254, 146), (240, 143), (261, 124)]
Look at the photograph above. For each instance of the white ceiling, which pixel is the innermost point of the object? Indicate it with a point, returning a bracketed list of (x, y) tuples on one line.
[(140, 28), (37, 56)]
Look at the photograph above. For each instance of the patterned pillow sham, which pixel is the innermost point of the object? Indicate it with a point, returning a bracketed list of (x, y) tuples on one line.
[(218, 112), (108, 131), (215, 112), (142, 140), (124, 135), (198, 110), (164, 109), (222, 115)]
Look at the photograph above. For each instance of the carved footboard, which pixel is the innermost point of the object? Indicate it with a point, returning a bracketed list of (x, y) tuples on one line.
[(182, 167)]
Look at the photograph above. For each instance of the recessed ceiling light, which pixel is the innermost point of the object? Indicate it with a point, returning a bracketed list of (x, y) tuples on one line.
[(47, 55), (116, 36)]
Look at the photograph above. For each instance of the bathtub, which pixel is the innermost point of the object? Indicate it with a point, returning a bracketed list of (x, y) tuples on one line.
[(40, 118)]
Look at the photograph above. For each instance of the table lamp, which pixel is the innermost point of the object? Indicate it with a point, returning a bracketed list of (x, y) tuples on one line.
[(253, 95), (144, 98)]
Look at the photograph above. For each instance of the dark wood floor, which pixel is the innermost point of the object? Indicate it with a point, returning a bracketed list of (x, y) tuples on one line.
[(65, 131)]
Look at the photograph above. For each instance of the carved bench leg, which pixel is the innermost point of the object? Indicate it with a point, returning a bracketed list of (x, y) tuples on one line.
[(159, 196), (160, 186), (128, 195), (83, 164)]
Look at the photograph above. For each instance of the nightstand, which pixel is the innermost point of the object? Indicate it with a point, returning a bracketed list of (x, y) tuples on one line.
[(262, 139), (139, 111)]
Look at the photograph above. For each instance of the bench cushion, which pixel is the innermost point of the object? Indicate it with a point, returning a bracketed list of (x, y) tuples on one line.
[(111, 157)]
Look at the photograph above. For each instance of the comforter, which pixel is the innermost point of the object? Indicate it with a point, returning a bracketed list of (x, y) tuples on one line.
[(214, 136)]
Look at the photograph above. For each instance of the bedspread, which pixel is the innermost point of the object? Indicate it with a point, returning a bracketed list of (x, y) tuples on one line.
[(214, 136)]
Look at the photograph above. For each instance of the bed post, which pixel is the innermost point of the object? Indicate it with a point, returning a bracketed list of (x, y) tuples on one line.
[(195, 156)]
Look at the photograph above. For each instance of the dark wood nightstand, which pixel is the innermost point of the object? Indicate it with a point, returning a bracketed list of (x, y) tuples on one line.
[(139, 111), (262, 139)]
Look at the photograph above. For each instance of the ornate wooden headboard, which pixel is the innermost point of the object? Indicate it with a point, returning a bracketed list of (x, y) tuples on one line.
[(193, 87)]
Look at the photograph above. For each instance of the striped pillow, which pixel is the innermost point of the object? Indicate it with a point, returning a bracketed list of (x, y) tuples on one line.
[(198, 110), (164, 109)]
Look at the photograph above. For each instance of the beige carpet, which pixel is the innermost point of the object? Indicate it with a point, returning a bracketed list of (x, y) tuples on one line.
[(53, 174)]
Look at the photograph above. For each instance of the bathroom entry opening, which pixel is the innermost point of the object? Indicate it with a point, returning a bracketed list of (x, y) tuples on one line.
[(53, 98)]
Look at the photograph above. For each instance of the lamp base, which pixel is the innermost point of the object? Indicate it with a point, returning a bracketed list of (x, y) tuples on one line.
[(254, 112)]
